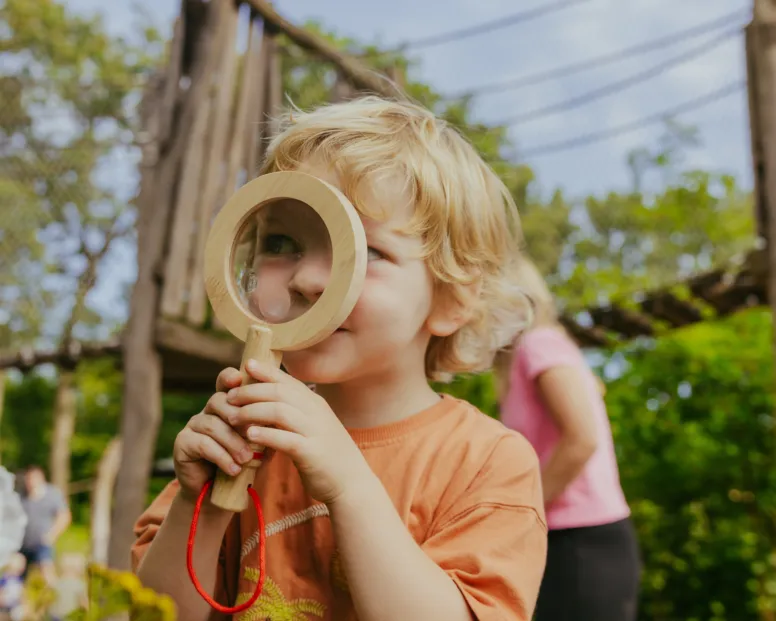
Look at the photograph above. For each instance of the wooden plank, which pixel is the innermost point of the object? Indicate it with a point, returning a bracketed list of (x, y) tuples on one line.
[(178, 264), (241, 131), (196, 312), (253, 147), (266, 92), (171, 81), (274, 105), (355, 71)]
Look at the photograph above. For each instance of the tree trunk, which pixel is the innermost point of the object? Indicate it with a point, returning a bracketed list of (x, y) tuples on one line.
[(64, 426), (102, 495), (2, 405)]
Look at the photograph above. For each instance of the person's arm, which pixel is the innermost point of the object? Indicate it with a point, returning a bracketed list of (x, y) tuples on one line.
[(389, 575), (62, 519), (564, 393), (163, 565)]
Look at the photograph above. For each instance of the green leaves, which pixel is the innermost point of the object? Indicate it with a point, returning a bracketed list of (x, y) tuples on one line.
[(71, 90), (693, 423)]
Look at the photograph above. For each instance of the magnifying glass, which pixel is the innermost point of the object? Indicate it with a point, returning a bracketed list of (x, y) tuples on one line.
[(285, 262)]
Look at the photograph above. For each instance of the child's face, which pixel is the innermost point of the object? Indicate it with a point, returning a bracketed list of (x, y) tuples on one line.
[(389, 328)]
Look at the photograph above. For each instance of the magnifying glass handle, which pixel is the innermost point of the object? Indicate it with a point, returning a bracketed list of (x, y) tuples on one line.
[(229, 492)]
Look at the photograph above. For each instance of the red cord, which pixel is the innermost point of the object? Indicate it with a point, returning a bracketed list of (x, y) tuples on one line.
[(262, 555)]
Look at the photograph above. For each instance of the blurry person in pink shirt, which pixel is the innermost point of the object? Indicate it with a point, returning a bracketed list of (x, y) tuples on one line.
[(549, 394)]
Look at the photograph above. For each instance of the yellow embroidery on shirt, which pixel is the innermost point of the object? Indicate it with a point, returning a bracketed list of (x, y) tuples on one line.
[(273, 606)]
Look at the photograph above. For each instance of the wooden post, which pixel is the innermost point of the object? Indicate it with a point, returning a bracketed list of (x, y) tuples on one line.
[(64, 426), (142, 396), (2, 405), (101, 500), (761, 73)]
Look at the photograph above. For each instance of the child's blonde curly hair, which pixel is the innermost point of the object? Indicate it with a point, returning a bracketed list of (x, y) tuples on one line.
[(463, 212)]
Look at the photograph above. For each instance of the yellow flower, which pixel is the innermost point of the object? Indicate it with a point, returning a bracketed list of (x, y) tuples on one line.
[(128, 581)]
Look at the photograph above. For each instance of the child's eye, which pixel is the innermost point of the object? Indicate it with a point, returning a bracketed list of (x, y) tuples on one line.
[(374, 255), (279, 244)]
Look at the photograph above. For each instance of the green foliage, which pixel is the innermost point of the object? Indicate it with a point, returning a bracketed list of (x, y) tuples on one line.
[(692, 417), (69, 88)]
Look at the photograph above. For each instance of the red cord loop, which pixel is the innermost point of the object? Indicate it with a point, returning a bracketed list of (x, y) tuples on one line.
[(262, 556)]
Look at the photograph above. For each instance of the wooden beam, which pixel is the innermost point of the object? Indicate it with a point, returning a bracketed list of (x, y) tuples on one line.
[(202, 344), (585, 336), (626, 322), (359, 74), (666, 306), (28, 358)]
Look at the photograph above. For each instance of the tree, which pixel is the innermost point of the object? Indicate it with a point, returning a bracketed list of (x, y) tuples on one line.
[(692, 417), (71, 87)]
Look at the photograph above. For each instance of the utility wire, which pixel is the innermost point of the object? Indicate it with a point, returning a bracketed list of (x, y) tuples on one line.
[(623, 84), (490, 26), (540, 77), (585, 139)]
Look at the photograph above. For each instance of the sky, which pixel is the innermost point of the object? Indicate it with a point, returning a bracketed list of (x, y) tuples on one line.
[(585, 30)]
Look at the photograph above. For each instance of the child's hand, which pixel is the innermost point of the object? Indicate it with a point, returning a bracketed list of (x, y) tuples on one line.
[(296, 421), (207, 440)]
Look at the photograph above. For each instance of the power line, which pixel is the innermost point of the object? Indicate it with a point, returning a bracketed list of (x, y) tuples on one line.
[(623, 84), (496, 24), (532, 79), (598, 136)]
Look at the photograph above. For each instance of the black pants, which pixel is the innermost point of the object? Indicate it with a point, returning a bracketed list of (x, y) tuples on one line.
[(592, 574)]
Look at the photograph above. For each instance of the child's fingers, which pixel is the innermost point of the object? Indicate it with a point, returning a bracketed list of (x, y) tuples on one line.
[(196, 447), (288, 442), (228, 378), (265, 372), (298, 396), (215, 428), (271, 413), (218, 405)]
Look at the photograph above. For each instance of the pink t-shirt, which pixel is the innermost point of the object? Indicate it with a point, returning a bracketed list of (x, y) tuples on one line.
[(595, 497)]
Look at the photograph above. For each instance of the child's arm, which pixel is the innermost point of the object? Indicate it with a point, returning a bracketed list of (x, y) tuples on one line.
[(163, 567), (205, 443), (389, 575)]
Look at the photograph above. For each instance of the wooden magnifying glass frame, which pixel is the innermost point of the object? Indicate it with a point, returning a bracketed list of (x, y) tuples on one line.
[(263, 341)]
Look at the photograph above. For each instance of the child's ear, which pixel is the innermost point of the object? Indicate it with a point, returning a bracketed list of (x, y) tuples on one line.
[(450, 311)]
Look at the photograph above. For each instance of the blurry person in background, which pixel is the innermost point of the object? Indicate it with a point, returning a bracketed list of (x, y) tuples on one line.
[(48, 516), (549, 394), (70, 587)]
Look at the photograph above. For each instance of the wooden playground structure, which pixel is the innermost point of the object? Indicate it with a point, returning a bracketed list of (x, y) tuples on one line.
[(204, 133)]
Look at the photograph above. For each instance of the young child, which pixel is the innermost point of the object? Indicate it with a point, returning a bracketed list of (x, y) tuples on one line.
[(12, 588), (382, 499)]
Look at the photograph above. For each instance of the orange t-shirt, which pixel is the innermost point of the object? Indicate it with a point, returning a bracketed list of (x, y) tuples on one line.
[(467, 488)]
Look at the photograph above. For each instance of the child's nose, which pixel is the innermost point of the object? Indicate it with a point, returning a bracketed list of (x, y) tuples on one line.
[(311, 276)]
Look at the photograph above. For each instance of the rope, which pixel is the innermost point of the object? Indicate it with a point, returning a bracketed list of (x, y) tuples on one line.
[(229, 610)]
